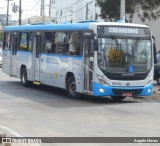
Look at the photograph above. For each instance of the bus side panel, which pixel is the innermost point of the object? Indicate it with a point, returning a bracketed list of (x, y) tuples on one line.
[(49, 70), (54, 69), (14, 65), (6, 60), (43, 69), (78, 73), (24, 59)]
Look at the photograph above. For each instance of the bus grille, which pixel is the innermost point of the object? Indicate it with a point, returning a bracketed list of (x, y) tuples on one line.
[(121, 91)]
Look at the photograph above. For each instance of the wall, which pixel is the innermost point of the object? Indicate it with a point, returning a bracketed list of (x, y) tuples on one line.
[(155, 28)]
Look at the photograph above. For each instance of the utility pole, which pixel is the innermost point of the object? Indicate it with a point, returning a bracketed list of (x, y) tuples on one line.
[(122, 10), (94, 12), (42, 10), (87, 11), (7, 12), (20, 12), (50, 3), (53, 12)]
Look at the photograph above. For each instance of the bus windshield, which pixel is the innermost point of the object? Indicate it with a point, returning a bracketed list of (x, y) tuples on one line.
[(125, 55)]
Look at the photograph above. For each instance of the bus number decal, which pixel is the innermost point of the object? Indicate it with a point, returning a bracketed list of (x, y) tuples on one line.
[(116, 83)]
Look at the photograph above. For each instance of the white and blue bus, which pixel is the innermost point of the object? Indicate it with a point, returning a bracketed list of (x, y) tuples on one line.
[(93, 58)]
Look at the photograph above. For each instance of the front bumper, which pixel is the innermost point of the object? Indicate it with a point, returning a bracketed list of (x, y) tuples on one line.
[(104, 90)]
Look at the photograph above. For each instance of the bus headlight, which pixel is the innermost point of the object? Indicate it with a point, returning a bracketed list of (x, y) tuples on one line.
[(150, 80), (101, 90), (149, 90), (101, 80)]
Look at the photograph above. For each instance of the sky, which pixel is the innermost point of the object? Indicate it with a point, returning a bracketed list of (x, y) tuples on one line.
[(30, 7)]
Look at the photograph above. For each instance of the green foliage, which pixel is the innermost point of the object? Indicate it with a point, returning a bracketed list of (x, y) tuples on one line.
[(109, 9), (146, 10)]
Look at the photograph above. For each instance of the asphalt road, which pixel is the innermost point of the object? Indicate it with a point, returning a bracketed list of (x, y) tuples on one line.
[(43, 111)]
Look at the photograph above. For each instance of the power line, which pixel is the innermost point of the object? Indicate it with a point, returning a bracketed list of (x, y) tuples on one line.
[(74, 12), (76, 3), (33, 6), (79, 9), (91, 8), (35, 1), (69, 5)]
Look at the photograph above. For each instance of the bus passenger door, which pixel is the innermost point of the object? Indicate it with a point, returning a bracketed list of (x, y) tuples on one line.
[(14, 47), (88, 53), (37, 46)]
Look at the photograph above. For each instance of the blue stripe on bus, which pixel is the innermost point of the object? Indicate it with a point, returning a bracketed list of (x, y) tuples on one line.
[(60, 27), (48, 55), (62, 56), (24, 52), (6, 50), (108, 90), (19, 52)]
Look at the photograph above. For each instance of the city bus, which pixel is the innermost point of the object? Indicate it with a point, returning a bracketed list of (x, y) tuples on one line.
[(93, 58)]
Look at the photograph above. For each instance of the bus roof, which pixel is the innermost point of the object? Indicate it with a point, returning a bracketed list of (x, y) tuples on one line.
[(86, 25), (71, 26), (118, 24)]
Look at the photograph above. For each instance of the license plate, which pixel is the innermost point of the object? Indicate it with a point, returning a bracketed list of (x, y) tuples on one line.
[(127, 94)]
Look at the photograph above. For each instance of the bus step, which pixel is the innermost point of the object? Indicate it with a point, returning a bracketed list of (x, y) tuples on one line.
[(36, 82)]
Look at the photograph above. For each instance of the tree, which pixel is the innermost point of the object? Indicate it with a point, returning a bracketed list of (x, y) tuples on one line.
[(146, 10)]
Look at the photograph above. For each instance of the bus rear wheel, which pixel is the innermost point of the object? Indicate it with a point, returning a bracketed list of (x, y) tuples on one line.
[(71, 88), (24, 79), (118, 98)]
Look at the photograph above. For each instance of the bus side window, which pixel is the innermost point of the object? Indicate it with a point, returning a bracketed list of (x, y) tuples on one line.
[(48, 43), (60, 43), (74, 43), (24, 41), (6, 42), (14, 43), (68, 35)]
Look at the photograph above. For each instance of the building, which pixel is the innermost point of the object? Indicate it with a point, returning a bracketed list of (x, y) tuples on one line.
[(38, 19)]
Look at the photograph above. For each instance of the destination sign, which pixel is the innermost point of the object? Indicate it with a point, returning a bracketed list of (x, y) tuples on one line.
[(123, 30)]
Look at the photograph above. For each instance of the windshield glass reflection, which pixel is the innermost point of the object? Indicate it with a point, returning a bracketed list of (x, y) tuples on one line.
[(119, 55)]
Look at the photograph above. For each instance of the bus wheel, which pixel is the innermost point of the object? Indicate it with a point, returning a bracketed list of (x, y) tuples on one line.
[(158, 80), (118, 98), (71, 88), (24, 79)]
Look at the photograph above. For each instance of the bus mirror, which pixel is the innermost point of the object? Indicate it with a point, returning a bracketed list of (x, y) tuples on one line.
[(96, 45), (91, 59)]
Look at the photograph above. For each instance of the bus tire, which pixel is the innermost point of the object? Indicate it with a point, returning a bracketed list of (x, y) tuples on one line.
[(71, 88), (158, 80), (24, 79), (118, 98)]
